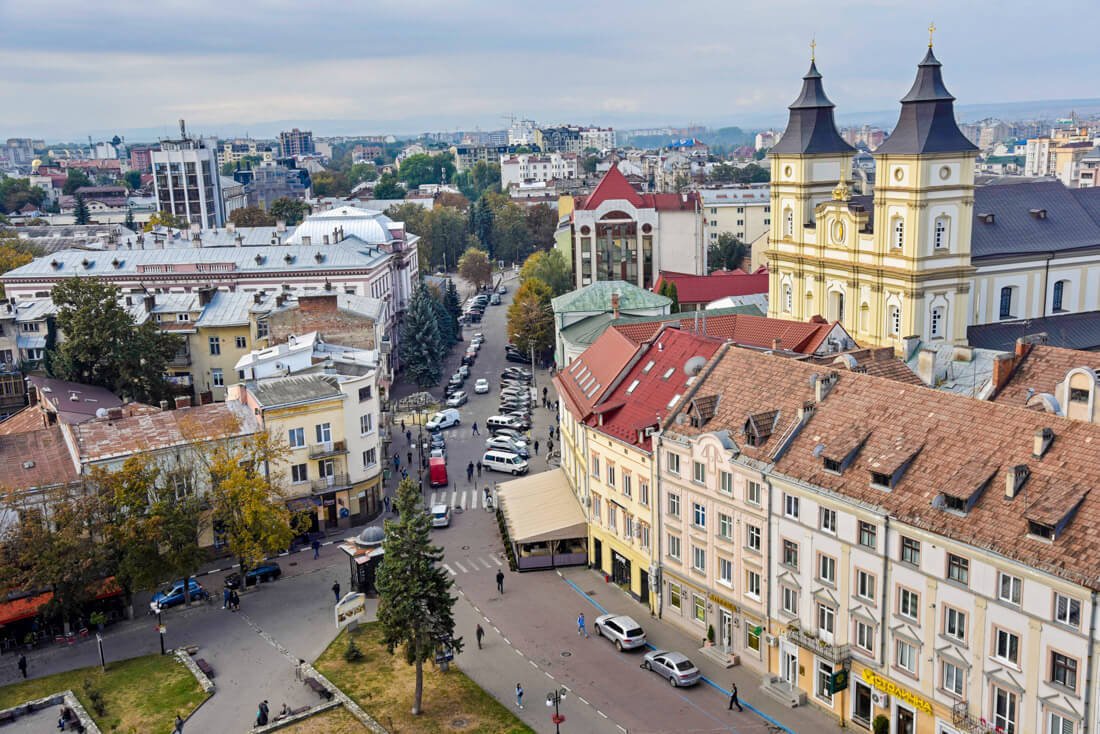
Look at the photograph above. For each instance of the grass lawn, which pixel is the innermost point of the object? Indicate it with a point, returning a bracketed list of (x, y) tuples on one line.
[(334, 721), (383, 685), (140, 694)]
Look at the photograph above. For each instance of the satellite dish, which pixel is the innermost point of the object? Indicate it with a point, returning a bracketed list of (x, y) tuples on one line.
[(694, 365), (101, 413)]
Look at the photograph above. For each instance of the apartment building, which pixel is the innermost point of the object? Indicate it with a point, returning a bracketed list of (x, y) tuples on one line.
[(838, 533), (743, 211), (186, 180), (233, 151), (532, 167), (295, 142)]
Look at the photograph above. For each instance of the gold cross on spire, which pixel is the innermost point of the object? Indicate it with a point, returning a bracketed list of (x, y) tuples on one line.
[(813, 48), (931, 30)]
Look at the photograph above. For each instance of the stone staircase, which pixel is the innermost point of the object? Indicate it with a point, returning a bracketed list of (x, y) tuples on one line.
[(719, 657), (783, 692)]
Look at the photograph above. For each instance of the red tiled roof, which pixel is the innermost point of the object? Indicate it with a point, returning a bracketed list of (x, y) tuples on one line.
[(614, 187), (588, 378), (648, 390), (45, 451), (753, 331), (1041, 369), (719, 284)]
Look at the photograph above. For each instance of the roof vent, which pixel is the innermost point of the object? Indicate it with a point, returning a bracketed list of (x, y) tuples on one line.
[(319, 257), (986, 217), (1015, 477), (117, 263), (288, 258), (259, 259), (1038, 213), (1044, 437), (55, 264), (28, 464), (86, 263)]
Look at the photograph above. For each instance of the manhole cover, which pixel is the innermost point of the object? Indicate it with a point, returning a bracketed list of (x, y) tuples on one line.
[(465, 547), (566, 654), (293, 563)]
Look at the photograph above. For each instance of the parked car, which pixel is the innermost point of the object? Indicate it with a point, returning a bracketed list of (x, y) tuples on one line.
[(495, 300), (474, 317), (517, 357), (673, 666), (522, 420), (456, 380), (468, 359), (437, 472), (266, 571), (478, 340), (515, 373), (481, 386), (451, 390), (457, 398), (504, 461), (436, 440), (509, 432), (172, 595), (502, 289), (464, 370), (622, 630), (505, 443), (494, 422), (441, 516), (443, 419), (438, 452)]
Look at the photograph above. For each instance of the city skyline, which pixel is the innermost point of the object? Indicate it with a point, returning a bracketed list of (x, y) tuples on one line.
[(409, 68)]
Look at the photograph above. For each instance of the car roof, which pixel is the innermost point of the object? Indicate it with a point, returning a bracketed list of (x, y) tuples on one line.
[(620, 618), (438, 508), (677, 657)]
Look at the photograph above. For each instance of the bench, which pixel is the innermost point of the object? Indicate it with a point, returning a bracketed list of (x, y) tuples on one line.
[(292, 712), (319, 689), (205, 667)]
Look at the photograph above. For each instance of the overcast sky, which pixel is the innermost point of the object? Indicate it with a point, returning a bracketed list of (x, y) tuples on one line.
[(73, 68)]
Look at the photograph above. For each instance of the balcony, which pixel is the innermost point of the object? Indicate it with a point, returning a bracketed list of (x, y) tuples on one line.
[(330, 483), (182, 358), (966, 721), (327, 449), (835, 654)]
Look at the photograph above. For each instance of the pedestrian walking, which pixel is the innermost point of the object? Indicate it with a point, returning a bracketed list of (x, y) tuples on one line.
[(545, 390), (23, 658), (536, 447), (179, 725), (264, 708), (549, 447), (404, 474), (480, 633), (551, 431), (479, 471), (396, 461), (386, 500), (408, 437), (316, 548), (402, 424), (235, 601), (225, 597), (500, 588), (519, 695), (336, 590), (475, 430), (410, 457), (470, 471), (733, 698), (580, 626)]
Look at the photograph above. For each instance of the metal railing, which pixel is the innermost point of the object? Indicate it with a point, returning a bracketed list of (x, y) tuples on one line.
[(328, 448), (330, 483), (833, 653), (963, 719)]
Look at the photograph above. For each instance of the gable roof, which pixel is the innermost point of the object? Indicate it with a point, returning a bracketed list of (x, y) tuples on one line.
[(46, 453), (72, 401), (615, 187), (804, 337), (591, 375), (1070, 221), (280, 391), (692, 288), (1039, 370), (597, 298), (1070, 331)]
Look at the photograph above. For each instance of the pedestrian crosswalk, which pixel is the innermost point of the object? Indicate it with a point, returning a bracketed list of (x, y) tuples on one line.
[(467, 499), (473, 565)]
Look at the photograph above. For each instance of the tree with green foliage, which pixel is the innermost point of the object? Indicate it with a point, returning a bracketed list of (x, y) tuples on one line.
[(530, 319), (475, 267), (588, 165), (668, 290), (361, 172), (130, 224), (511, 240), (542, 222), (104, 347), (330, 183), (549, 268), (726, 253), (164, 218), (387, 187), (81, 215), (421, 343), (445, 235), (75, 178), (448, 334), (251, 216), (760, 154), (15, 253), (415, 606), (132, 179), (481, 223), (15, 193), (292, 211), (482, 177), (426, 169), (453, 304)]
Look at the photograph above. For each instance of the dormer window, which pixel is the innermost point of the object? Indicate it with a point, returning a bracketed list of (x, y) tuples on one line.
[(881, 480), (1040, 530), (831, 465), (1077, 395), (648, 367), (958, 504)]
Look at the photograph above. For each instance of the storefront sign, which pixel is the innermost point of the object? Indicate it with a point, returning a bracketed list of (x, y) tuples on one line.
[(722, 602), (888, 686), (350, 608)]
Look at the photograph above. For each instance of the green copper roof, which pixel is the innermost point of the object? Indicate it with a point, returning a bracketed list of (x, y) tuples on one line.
[(597, 297), (586, 331)]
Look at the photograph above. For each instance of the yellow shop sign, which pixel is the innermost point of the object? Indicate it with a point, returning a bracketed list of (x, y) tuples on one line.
[(723, 603), (888, 686)]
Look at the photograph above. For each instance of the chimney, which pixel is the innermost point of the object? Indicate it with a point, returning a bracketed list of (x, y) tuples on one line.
[(164, 405), (206, 295), (777, 344), (1015, 476), (230, 227), (614, 305), (280, 225), (822, 385), (114, 414), (306, 239), (257, 297), (806, 412), (963, 353), (150, 302), (926, 366), (183, 401), (1003, 364), (238, 241), (32, 395), (196, 241), (1044, 437), (1023, 346), (325, 240), (909, 345)]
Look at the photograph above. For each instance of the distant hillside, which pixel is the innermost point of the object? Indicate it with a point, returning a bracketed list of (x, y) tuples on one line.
[(725, 137)]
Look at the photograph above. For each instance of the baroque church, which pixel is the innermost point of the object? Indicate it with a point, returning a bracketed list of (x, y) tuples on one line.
[(929, 254)]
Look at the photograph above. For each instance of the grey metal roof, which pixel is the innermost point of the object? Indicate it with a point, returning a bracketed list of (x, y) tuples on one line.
[(295, 389), (811, 129), (1070, 331), (927, 122), (1072, 219)]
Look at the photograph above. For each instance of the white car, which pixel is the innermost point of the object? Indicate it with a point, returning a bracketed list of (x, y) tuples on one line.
[(441, 516), (464, 370), (457, 399), (443, 419), (505, 443), (481, 386)]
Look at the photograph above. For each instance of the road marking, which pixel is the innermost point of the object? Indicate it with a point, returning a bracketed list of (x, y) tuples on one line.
[(601, 713), (484, 563), (496, 560), (434, 500), (533, 665), (506, 642), (460, 567), (517, 651), (449, 570), (583, 701), (620, 728), (454, 496), (474, 499), (549, 676), (567, 688), (497, 629)]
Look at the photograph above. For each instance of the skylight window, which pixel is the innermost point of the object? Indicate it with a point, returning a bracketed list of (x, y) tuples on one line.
[(649, 366), (632, 386), (592, 392), (668, 374), (672, 402), (575, 365)]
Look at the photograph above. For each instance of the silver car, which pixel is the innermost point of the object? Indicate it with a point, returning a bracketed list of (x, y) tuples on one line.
[(457, 399), (674, 666), (622, 630)]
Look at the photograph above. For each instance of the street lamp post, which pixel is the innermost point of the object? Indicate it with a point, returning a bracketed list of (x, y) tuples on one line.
[(554, 698)]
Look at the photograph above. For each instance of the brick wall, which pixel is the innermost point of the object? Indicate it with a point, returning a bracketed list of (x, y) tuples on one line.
[(319, 313)]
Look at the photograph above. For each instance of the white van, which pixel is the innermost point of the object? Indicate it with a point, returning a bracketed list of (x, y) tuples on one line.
[(504, 461), (503, 421), (443, 419)]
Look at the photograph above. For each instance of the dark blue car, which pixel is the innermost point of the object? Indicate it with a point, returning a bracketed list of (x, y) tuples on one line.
[(173, 595), (266, 571)]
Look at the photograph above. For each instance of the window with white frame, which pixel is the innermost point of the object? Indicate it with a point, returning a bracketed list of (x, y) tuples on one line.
[(823, 684), (596, 502), (826, 568), (596, 466), (865, 585), (790, 601), (674, 547), (940, 230), (610, 475), (643, 493), (1058, 723), (958, 569), (899, 232), (1008, 589), (698, 515), (698, 559), (910, 551), (626, 485), (906, 656), (725, 571), (752, 584), (612, 515), (1006, 646), (324, 432), (674, 504), (864, 637), (699, 604), (788, 217), (725, 483), (698, 472), (217, 377), (1067, 611), (954, 623), (370, 457), (299, 473), (828, 520), (867, 534), (952, 678), (752, 492), (366, 424), (296, 438), (908, 603), (674, 595), (645, 534), (826, 619), (1004, 710), (790, 506), (241, 342), (752, 537), (894, 321), (725, 526), (673, 462)]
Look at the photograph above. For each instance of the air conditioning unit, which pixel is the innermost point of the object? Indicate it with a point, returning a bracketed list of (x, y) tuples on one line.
[(880, 699), (771, 640)]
